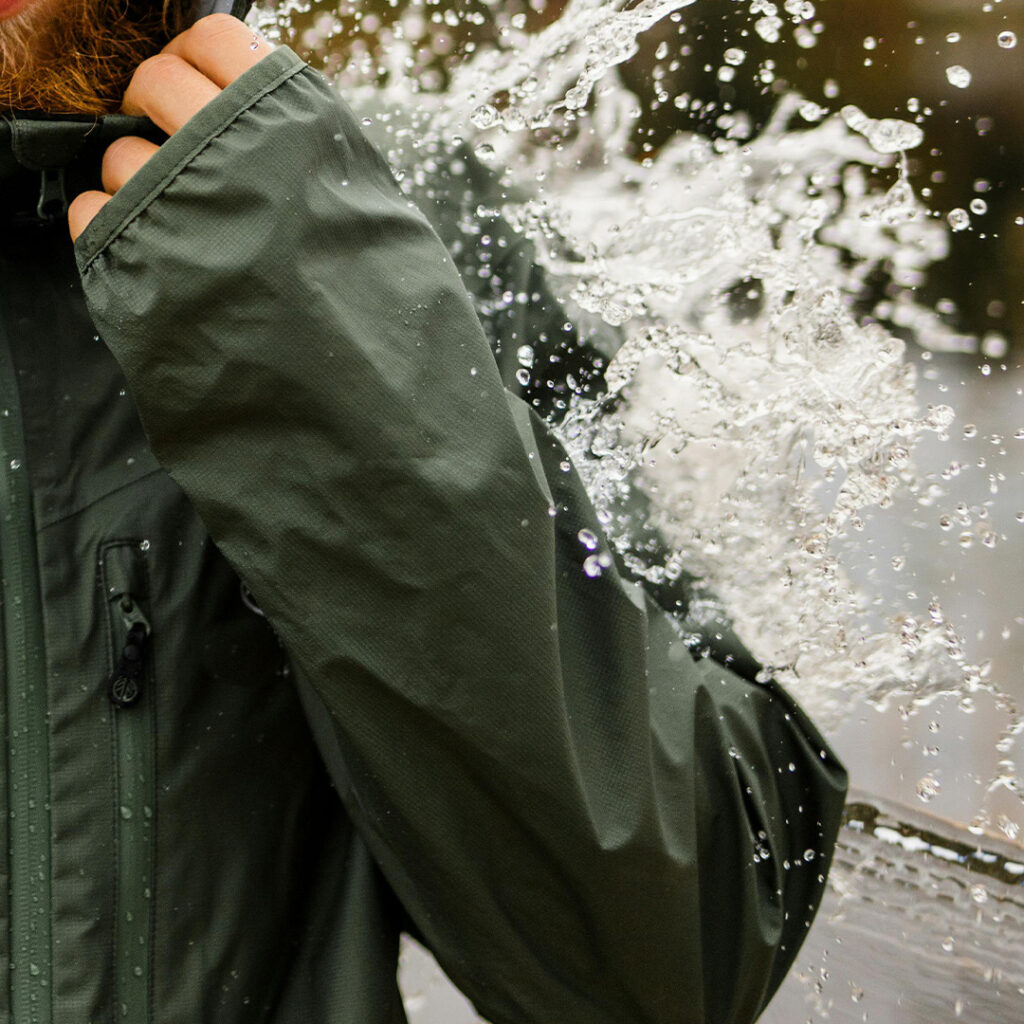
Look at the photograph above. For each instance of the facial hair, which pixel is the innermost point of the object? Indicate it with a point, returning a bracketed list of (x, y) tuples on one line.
[(77, 56)]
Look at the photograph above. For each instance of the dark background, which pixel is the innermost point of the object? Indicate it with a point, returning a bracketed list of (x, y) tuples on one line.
[(881, 55)]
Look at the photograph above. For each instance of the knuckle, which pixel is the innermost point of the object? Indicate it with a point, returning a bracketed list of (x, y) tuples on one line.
[(83, 207), (117, 149), (213, 26), (78, 205), (118, 158), (155, 68)]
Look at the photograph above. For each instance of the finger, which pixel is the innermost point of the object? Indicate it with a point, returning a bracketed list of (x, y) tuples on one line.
[(168, 90), (83, 209), (221, 47), (123, 158)]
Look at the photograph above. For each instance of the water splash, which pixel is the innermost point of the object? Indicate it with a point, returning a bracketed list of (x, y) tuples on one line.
[(766, 406), (762, 415)]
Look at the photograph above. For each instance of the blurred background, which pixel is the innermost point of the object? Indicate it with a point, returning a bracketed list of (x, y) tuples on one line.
[(888, 57)]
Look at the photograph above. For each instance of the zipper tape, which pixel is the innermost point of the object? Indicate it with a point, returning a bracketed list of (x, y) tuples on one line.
[(28, 737), (124, 574)]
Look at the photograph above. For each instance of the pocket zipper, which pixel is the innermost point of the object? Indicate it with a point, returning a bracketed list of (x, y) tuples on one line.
[(131, 689), (125, 686)]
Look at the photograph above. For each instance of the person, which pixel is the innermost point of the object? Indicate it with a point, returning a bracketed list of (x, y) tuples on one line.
[(302, 649)]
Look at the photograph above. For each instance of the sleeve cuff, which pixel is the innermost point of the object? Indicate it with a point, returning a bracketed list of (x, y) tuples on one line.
[(183, 147)]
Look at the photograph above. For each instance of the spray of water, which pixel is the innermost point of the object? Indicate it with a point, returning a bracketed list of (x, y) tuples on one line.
[(764, 409)]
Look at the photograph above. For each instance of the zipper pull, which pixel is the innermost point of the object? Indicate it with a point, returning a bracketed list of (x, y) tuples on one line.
[(53, 196), (126, 679)]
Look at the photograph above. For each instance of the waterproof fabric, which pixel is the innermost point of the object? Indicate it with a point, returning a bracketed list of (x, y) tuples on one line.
[(437, 721)]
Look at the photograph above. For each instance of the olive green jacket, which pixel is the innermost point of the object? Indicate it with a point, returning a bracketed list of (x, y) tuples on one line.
[(422, 711)]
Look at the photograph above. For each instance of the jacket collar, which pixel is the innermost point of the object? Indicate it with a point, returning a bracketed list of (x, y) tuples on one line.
[(39, 153), (46, 160)]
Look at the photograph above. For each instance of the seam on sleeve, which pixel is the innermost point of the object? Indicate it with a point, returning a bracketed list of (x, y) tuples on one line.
[(181, 149)]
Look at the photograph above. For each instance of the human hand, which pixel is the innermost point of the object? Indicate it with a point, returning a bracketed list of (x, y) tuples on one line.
[(169, 88)]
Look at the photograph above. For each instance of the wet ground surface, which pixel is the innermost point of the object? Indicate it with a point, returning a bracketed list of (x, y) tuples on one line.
[(923, 924)]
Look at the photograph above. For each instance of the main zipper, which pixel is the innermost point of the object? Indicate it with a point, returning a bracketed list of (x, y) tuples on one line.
[(129, 690), (28, 755)]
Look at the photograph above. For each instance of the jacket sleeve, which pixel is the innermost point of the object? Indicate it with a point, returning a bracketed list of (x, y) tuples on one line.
[(545, 355), (587, 824)]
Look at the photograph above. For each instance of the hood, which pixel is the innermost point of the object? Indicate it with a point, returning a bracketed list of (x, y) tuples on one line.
[(44, 159)]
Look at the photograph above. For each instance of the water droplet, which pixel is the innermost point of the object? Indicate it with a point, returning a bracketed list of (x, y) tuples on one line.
[(255, 44), (811, 111), (144, 545), (995, 346), (588, 539), (768, 28), (979, 206), (484, 116), (958, 76), (126, 812), (888, 135), (959, 219), (524, 355), (953, 37), (948, 944), (513, 119), (979, 894), (734, 56), (801, 10), (928, 787), (1009, 828), (1007, 40)]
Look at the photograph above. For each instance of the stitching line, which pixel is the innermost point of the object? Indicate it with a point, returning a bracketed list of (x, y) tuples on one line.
[(180, 166)]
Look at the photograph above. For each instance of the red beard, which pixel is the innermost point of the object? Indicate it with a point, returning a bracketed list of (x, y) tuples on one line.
[(77, 56)]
